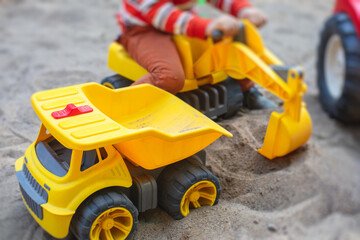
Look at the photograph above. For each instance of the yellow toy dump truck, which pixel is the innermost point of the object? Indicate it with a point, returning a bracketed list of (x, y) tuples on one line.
[(102, 156), (208, 88)]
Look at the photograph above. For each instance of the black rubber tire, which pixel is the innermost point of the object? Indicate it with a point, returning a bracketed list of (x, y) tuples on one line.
[(116, 81), (234, 97), (94, 206), (347, 107), (177, 178)]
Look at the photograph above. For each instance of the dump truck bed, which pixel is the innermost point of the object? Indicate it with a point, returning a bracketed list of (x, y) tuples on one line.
[(151, 127)]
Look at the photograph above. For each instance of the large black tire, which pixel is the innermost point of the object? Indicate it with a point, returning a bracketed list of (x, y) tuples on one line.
[(234, 97), (102, 207), (116, 81), (343, 105), (187, 184)]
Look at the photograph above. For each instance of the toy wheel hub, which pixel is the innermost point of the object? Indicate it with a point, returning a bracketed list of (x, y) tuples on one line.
[(200, 194), (115, 223), (109, 85), (194, 196), (108, 223), (335, 66)]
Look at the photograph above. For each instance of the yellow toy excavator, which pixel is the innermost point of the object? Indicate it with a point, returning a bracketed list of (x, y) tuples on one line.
[(207, 66)]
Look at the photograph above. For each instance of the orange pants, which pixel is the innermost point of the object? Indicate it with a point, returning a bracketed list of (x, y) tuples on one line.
[(156, 52)]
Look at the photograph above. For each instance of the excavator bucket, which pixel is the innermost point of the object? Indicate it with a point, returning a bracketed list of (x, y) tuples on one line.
[(289, 130), (284, 134)]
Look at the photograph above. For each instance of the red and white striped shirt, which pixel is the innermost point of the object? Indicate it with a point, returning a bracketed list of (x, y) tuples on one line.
[(164, 15)]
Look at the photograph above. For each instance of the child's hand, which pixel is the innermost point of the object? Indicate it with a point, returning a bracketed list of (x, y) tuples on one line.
[(227, 24), (254, 15)]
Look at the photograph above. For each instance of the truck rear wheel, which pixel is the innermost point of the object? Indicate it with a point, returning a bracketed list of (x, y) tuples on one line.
[(338, 69), (187, 184), (108, 215), (116, 81)]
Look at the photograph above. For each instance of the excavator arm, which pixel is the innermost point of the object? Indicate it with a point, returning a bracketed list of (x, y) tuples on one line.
[(248, 58)]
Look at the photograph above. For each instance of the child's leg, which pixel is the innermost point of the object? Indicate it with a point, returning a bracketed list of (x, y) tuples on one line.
[(156, 52)]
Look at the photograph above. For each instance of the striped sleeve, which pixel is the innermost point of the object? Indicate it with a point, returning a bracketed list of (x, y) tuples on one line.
[(230, 6), (163, 15)]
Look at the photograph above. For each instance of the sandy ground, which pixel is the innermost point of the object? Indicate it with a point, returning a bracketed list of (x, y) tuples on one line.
[(314, 193)]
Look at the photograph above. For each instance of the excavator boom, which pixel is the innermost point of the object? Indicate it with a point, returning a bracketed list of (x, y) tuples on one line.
[(286, 131)]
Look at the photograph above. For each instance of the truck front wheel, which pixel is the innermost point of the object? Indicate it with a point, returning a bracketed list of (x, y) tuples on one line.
[(107, 215), (187, 184)]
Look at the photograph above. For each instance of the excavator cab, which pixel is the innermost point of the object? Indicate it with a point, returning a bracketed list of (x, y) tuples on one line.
[(208, 63)]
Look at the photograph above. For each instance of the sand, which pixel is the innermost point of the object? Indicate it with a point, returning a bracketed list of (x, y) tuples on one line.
[(313, 193)]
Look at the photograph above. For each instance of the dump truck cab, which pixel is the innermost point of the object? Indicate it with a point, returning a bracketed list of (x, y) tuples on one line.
[(113, 151), (55, 180)]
